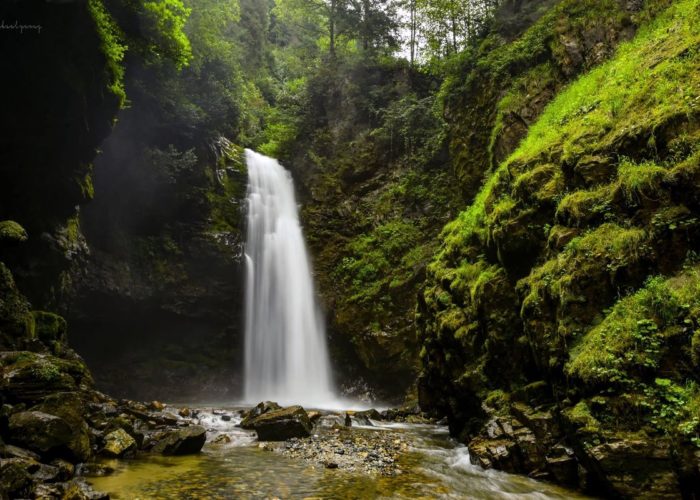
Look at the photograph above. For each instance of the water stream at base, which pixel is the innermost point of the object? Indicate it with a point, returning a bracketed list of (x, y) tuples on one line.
[(286, 358), (434, 467)]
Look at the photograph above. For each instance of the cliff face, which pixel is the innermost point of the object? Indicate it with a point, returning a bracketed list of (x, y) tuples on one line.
[(558, 317), (164, 282), (60, 106), (375, 187)]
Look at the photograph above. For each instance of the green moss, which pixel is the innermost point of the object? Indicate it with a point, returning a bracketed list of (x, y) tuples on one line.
[(49, 327), (636, 90), (582, 206), (581, 416), (11, 232), (112, 46), (639, 181)]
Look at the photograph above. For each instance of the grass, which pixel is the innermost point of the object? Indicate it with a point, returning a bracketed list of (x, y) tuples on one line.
[(638, 88)]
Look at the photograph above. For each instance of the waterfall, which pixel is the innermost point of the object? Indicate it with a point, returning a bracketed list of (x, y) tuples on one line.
[(286, 358)]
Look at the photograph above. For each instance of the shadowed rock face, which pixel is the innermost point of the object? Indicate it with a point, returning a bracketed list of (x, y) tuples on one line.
[(59, 112)]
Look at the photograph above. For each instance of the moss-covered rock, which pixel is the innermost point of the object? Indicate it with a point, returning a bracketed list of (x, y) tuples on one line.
[(15, 320), (49, 327), (591, 226), (11, 232)]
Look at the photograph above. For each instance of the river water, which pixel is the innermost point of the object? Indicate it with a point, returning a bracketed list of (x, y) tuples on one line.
[(434, 466)]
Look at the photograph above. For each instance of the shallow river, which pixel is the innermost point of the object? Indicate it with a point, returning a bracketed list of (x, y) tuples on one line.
[(433, 467)]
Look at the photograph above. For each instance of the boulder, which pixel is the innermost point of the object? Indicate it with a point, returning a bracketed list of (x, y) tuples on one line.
[(637, 468), (183, 441), (15, 479), (43, 473), (118, 443), (79, 489), (280, 425), (9, 451), (49, 327), (40, 432), (563, 466), (70, 408), (260, 409)]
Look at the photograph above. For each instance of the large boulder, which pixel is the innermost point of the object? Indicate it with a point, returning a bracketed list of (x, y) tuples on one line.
[(280, 425), (40, 432), (70, 408), (28, 377), (260, 409), (183, 441), (118, 443)]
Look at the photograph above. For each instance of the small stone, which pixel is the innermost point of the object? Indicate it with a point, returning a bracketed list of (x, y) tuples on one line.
[(156, 406)]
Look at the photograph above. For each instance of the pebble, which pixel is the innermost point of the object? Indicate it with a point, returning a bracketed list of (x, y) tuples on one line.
[(350, 449)]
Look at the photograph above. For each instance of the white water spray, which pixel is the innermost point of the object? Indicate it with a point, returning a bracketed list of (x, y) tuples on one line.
[(286, 358)]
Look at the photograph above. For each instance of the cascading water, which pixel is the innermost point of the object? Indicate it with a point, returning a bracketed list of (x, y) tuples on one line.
[(286, 358)]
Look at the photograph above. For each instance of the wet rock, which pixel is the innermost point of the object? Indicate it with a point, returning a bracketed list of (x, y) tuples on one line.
[(314, 416), (222, 439), (367, 414), (118, 443), (182, 441), (185, 412), (66, 470), (638, 468), (40, 432), (45, 473), (9, 451), (260, 409), (15, 478), (48, 491), (70, 408), (93, 469), (79, 489), (563, 466), (226, 418), (28, 377), (156, 406), (280, 425)]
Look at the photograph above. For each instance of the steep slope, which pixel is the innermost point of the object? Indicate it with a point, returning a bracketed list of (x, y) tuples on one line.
[(560, 309)]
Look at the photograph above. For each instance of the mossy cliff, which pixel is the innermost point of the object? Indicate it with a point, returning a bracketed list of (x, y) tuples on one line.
[(43, 181), (374, 180), (165, 273), (558, 320)]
